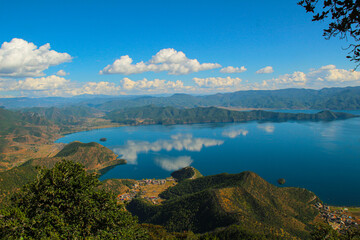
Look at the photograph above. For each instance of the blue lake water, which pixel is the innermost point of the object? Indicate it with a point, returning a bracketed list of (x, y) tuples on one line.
[(323, 157)]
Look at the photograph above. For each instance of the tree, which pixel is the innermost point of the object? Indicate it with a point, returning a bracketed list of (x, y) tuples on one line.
[(345, 21), (281, 181), (324, 231), (65, 203)]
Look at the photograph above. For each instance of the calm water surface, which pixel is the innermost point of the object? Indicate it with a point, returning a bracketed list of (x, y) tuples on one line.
[(323, 157)]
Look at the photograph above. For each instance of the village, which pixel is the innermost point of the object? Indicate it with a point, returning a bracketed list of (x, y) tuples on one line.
[(148, 189), (338, 218)]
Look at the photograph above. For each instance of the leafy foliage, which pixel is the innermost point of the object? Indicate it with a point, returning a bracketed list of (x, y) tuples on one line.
[(345, 20), (64, 203)]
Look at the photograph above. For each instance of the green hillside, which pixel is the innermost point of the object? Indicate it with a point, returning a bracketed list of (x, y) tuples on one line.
[(218, 201), (170, 115), (93, 156), (186, 173)]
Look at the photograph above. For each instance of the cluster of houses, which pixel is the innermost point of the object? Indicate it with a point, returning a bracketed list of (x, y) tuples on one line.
[(338, 219), (136, 189), (128, 196), (154, 181)]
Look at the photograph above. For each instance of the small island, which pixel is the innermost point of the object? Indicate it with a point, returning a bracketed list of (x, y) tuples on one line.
[(103, 139)]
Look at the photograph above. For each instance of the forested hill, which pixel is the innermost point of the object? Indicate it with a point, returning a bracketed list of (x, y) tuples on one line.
[(241, 203), (170, 115)]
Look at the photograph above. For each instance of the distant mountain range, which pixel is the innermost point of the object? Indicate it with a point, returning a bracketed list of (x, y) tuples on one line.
[(328, 98), (171, 115)]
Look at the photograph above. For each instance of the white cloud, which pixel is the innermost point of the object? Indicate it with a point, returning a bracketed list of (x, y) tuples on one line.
[(179, 142), (62, 73), (217, 82), (170, 60), (264, 70), (296, 78), (269, 128), (330, 73), (156, 85), (36, 84), (325, 76), (173, 163), (19, 58), (234, 133), (232, 69), (106, 88)]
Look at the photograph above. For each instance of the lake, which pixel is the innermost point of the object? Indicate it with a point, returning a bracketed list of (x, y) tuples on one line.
[(323, 157)]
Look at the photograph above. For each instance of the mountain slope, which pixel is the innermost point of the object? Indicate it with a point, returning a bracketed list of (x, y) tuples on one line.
[(244, 199), (20, 134), (93, 156)]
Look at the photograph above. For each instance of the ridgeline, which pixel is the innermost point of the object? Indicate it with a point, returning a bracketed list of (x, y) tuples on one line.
[(170, 115)]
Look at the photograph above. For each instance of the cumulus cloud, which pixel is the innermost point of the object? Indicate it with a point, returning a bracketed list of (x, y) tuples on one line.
[(36, 84), (106, 88), (330, 73), (234, 133), (269, 128), (178, 142), (169, 60), (173, 163), (325, 76), (232, 69), (217, 82), (296, 78), (153, 85), (264, 70), (19, 58), (62, 73)]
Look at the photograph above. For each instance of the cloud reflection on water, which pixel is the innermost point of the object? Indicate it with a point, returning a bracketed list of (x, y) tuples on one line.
[(269, 128), (173, 163), (178, 142), (234, 133)]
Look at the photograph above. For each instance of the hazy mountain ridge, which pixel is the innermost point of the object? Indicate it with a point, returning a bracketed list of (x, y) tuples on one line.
[(171, 115), (65, 115), (347, 98)]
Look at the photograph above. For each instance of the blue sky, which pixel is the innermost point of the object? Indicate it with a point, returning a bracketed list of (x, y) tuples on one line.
[(87, 36)]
